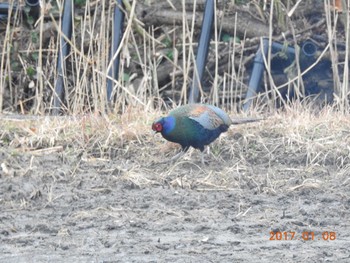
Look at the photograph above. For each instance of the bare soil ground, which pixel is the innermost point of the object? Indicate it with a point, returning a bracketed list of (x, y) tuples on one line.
[(92, 190)]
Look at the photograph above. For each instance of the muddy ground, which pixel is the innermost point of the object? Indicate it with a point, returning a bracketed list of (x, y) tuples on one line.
[(61, 205)]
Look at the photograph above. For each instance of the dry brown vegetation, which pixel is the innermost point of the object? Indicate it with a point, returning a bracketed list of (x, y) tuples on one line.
[(158, 54), (295, 137)]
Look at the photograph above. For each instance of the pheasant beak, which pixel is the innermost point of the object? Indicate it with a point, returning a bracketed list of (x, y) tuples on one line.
[(154, 128)]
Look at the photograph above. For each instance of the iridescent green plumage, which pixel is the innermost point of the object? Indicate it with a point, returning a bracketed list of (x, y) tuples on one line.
[(194, 125)]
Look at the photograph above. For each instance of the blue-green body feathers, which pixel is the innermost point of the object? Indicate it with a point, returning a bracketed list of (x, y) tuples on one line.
[(193, 125)]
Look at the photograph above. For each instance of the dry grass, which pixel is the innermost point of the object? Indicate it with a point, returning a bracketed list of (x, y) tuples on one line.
[(295, 145), (27, 72)]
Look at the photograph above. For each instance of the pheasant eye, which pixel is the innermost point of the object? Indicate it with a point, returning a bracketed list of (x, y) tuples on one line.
[(157, 127)]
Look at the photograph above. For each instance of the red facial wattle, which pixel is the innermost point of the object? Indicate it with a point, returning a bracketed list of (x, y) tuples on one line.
[(157, 127)]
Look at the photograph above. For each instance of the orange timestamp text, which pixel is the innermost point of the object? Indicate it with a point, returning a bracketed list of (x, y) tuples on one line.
[(291, 235)]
